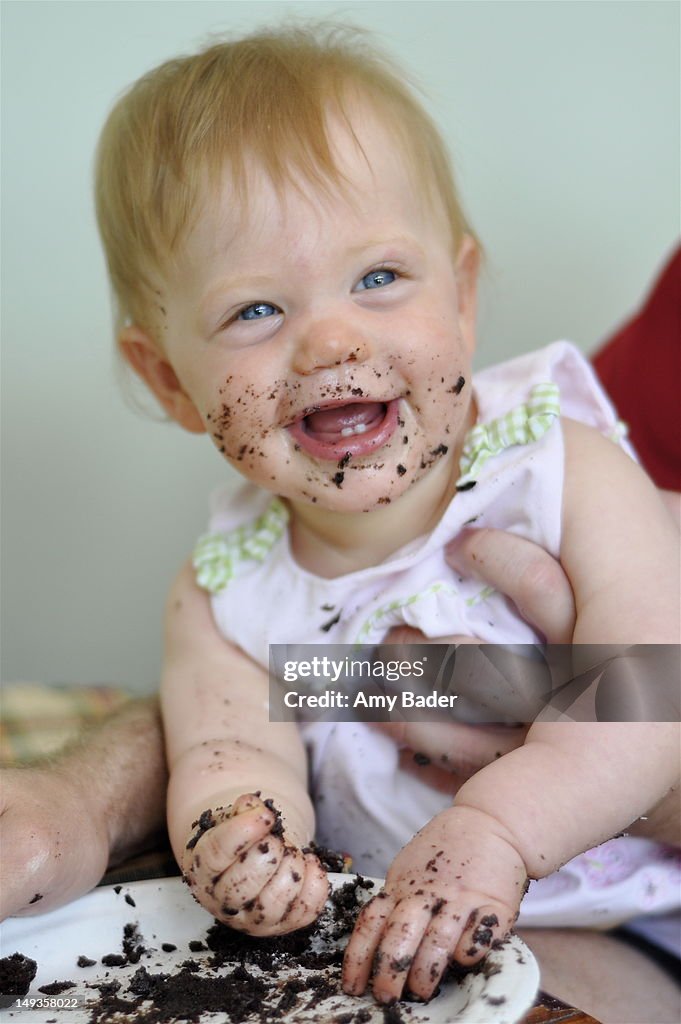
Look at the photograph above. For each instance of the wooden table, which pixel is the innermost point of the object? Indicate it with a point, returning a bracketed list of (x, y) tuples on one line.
[(548, 1010)]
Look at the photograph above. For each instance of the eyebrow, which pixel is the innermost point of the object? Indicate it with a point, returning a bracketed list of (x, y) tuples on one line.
[(398, 240), (217, 289)]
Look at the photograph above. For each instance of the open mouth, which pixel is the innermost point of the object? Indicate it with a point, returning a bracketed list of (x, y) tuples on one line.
[(354, 428)]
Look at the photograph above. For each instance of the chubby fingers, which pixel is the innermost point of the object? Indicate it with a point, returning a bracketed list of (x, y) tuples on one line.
[(226, 838), (251, 879), (293, 898), (530, 577), (364, 941), (452, 934), (406, 945)]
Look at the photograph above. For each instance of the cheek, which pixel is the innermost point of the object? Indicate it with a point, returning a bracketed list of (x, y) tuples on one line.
[(243, 418)]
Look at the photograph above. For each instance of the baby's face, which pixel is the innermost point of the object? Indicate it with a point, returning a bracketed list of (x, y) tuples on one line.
[(324, 340)]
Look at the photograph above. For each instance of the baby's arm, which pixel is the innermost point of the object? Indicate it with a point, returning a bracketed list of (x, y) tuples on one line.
[(457, 885), (223, 752)]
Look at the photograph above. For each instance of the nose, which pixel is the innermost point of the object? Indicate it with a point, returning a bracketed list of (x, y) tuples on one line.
[(328, 343)]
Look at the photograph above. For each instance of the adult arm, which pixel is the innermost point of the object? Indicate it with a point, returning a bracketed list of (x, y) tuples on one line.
[(65, 818)]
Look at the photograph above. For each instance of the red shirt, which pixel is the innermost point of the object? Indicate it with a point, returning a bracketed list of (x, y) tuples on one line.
[(640, 368)]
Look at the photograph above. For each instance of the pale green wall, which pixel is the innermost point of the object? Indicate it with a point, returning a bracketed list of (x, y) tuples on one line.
[(564, 122)]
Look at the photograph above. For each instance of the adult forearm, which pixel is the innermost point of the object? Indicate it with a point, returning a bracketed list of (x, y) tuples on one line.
[(122, 763), (64, 818)]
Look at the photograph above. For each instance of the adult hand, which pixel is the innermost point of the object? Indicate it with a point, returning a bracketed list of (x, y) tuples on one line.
[(55, 845), (65, 818), (531, 578), (535, 582)]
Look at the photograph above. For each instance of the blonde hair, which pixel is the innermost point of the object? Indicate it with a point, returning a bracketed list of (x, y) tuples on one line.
[(265, 96)]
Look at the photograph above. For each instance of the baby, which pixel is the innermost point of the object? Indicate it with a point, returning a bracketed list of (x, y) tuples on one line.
[(294, 276)]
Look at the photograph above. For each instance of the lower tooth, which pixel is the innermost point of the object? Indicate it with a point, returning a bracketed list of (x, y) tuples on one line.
[(351, 431)]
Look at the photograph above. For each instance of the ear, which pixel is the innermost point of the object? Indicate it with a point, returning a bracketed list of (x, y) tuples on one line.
[(467, 269), (141, 352)]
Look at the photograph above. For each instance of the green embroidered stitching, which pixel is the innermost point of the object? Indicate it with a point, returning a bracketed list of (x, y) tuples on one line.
[(482, 595), (392, 606), (217, 555), (522, 425)]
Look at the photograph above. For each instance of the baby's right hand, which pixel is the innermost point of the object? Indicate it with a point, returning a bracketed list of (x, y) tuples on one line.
[(250, 878)]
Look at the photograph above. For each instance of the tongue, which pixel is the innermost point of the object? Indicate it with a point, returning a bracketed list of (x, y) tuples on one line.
[(328, 423)]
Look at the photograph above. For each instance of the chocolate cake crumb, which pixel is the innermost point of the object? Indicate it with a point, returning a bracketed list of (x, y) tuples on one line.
[(337, 863), (114, 960), (421, 759), (16, 974), (55, 988), (278, 827), (392, 1014), (168, 947), (133, 947), (204, 822), (332, 622), (38, 896), (196, 946), (85, 961), (129, 900)]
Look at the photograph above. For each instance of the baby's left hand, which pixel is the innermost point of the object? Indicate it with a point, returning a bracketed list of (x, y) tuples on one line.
[(452, 891)]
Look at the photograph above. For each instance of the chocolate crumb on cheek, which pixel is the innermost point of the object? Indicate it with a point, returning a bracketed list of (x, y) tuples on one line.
[(401, 470), (338, 479), (458, 387)]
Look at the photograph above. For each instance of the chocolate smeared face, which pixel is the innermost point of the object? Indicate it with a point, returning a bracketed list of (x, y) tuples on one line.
[(324, 338)]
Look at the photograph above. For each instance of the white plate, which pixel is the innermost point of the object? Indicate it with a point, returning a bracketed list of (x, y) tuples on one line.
[(165, 912)]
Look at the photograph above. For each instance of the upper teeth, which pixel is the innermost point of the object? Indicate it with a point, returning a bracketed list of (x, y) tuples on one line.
[(349, 431)]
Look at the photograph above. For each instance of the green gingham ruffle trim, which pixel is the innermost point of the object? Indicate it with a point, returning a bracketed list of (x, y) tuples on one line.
[(523, 425), (217, 555)]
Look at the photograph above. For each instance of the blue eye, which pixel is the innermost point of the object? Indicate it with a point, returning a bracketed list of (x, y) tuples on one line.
[(378, 279), (258, 311)]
